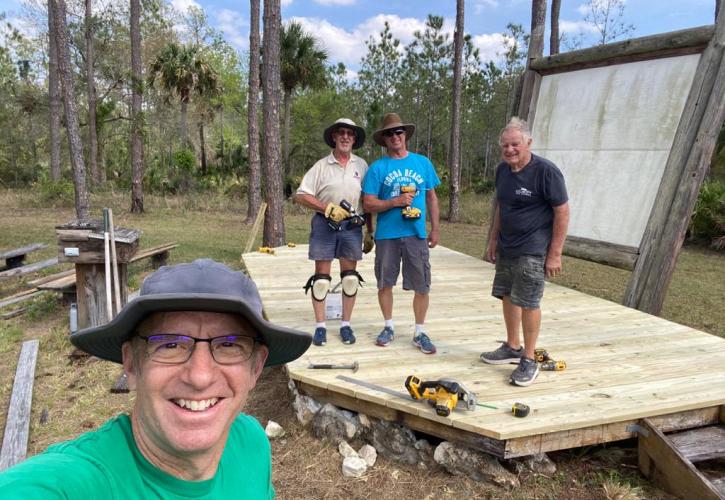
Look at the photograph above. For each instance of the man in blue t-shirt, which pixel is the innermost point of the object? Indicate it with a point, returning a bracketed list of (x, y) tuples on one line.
[(527, 238), (400, 188)]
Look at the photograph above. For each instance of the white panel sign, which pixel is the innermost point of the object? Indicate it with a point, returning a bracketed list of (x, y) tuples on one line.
[(610, 131)]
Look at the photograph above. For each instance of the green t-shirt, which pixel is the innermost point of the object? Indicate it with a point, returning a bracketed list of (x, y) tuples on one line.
[(106, 464)]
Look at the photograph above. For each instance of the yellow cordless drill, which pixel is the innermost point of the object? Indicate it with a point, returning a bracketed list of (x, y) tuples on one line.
[(410, 212)]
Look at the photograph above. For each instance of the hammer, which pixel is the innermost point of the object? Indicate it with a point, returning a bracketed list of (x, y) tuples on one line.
[(314, 366)]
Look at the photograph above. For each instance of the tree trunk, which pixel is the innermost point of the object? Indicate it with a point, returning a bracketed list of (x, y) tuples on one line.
[(54, 100), (274, 234), (554, 40), (91, 82), (536, 49), (202, 146), (287, 99), (718, 6), (186, 143), (454, 156), (71, 114), (254, 199), (137, 119)]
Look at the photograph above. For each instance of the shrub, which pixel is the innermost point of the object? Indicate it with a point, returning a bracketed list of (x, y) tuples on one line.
[(483, 186), (52, 191), (708, 219)]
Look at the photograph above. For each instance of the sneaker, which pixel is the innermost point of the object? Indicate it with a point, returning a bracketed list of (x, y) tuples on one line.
[(347, 336), (385, 337), (503, 355), (525, 373), (422, 341), (320, 337)]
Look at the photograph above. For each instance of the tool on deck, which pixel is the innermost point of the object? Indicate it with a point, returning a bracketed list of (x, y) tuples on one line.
[(374, 387), (291, 244), (444, 394), (268, 250), (553, 366), (520, 410), (541, 355), (409, 211), (328, 366)]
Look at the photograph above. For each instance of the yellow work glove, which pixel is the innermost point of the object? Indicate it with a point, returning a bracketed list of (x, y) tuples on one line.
[(368, 242), (336, 212)]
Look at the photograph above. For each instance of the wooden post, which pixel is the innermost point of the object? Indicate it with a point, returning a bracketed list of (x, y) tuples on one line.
[(684, 173), (536, 49)]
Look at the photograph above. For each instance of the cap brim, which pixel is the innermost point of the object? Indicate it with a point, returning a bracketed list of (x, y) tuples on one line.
[(105, 341)]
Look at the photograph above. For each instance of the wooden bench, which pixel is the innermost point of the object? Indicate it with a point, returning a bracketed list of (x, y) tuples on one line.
[(17, 425), (27, 269), (159, 254), (14, 258)]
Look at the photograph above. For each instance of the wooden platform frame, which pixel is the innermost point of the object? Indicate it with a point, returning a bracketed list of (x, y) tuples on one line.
[(623, 365)]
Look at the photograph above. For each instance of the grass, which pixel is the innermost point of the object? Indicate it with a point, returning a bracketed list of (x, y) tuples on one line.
[(74, 392)]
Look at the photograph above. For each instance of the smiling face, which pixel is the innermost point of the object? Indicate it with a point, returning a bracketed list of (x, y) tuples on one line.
[(395, 142), (183, 412), (515, 149), (344, 139)]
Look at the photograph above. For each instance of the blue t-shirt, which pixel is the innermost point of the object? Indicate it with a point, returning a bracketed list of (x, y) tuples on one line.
[(106, 464), (525, 199), (384, 180)]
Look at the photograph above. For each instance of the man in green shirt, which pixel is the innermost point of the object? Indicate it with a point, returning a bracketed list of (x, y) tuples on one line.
[(192, 345)]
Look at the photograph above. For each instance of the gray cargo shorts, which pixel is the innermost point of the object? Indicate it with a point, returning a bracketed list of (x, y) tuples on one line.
[(521, 279), (414, 254), (328, 244)]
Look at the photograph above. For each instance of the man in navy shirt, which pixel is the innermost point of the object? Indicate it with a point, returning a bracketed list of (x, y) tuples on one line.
[(527, 237)]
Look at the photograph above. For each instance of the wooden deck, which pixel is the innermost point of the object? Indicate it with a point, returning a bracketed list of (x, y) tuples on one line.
[(622, 364)]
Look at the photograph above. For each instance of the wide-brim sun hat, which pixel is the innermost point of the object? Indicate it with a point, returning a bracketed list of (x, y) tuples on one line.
[(393, 121), (346, 123), (202, 285)]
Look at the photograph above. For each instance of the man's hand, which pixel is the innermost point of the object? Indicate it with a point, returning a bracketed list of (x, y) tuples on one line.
[(403, 199), (336, 212), (553, 265), (368, 242), (491, 251), (433, 238)]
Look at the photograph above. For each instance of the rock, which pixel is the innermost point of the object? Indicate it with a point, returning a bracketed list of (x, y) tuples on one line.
[(274, 430), (354, 467), (346, 450), (466, 462), (292, 387), (364, 420), (335, 424), (539, 464), (395, 441), (369, 454), (305, 409)]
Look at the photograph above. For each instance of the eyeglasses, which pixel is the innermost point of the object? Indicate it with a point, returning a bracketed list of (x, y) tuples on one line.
[(391, 133), (345, 132), (174, 349)]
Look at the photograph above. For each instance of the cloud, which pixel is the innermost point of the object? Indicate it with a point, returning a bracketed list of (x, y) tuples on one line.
[(183, 5), (576, 27), (231, 22), (491, 47), (481, 6), (335, 2), (286, 3)]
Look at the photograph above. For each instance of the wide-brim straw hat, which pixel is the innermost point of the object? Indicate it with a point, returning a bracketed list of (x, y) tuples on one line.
[(202, 285), (346, 123), (392, 121)]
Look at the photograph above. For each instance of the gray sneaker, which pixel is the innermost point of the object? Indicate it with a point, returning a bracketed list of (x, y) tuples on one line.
[(503, 355), (525, 373)]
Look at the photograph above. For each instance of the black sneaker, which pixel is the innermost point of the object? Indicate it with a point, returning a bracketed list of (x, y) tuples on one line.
[(525, 374), (503, 355), (320, 337), (346, 335)]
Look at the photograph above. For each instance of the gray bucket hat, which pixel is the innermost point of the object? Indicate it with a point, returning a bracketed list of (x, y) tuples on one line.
[(346, 123), (202, 285)]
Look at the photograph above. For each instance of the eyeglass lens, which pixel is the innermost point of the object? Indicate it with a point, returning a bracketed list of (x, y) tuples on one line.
[(390, 133), (176, 349), (345, 132)]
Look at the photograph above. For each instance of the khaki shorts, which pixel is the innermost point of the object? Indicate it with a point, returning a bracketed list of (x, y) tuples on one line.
[(521, 279), (415, 256)]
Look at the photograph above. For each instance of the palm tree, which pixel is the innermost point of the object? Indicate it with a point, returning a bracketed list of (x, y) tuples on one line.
[(302, 66), (182, 71)]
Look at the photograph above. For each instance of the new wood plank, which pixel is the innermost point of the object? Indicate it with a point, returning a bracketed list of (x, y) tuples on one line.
[(15, 439)]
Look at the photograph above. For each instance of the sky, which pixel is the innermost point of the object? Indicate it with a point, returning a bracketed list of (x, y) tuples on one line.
[(343, 26)]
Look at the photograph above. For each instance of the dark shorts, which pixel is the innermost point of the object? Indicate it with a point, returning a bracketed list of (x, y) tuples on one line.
[(328, 244), (521, 279), (414, 254)]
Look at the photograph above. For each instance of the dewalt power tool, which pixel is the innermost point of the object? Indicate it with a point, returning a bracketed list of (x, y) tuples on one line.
[(410, 212), (354, 218), (443, 394)]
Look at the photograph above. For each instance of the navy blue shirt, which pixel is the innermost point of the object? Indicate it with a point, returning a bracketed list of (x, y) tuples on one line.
[(526, 199)]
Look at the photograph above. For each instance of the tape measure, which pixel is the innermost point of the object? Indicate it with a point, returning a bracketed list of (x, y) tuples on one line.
[(520, 410)]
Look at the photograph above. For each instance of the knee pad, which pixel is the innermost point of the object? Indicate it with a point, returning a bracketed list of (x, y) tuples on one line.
[(320, 284), (351, 281)]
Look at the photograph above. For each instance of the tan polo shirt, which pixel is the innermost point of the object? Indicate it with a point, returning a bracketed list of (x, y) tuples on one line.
[(330, 182)]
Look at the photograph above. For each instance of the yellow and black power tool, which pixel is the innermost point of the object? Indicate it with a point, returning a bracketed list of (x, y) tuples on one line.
[(410, 212), (443, 394)]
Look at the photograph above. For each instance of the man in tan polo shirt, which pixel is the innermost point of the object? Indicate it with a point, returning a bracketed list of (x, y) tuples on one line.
[(334, 234)]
